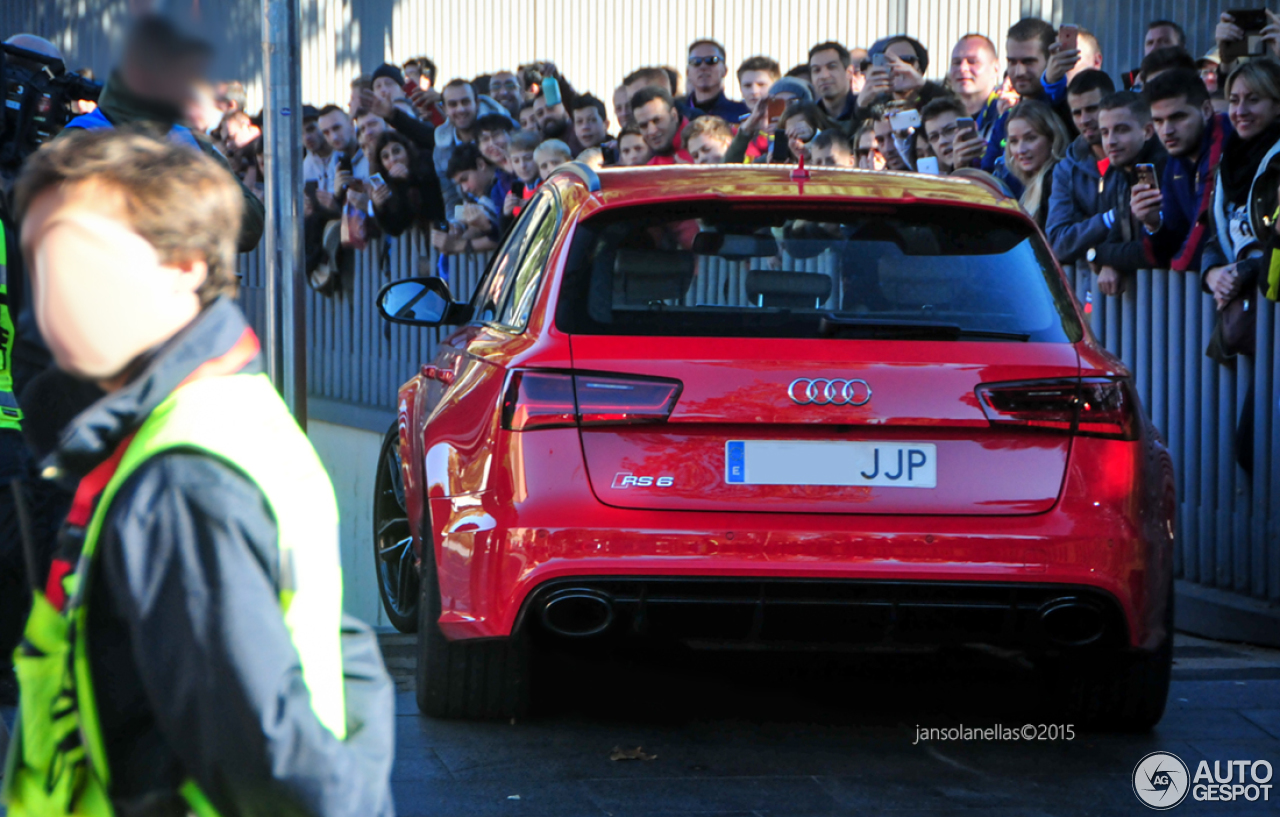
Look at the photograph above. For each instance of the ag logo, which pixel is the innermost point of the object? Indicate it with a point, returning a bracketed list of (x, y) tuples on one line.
[(1160, 780), (626, 479)]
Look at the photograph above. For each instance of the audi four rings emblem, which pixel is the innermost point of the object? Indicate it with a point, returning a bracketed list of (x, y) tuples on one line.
[(823, 392)]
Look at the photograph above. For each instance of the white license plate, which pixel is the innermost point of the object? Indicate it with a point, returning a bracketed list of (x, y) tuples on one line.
[(831, 462)]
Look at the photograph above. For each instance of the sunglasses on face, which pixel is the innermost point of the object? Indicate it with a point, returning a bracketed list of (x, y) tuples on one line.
[(698, 62), (910, 59)]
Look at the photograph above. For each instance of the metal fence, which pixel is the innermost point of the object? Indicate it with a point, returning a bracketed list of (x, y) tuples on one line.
[(1229, 521)]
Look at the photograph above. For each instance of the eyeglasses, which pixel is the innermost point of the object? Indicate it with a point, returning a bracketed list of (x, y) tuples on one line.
[(698, 62), (936, 135), (509, 84)]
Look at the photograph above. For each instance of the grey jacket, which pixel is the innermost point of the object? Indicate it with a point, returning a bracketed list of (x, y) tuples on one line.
[(1075, 224), (195, 673), (447, 140)]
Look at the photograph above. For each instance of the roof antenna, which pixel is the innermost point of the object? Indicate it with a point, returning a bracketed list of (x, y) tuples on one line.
[(800, 172)]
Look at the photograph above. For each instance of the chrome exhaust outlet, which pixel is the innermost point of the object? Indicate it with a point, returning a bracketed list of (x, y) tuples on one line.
[(577, 612), (1072, 622)]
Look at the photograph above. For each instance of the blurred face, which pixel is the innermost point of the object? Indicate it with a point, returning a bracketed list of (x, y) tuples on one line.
[(413, 73), (1030, 148), (1209, 74), (904, 52), (476, 181), (1090, 57), (884, 143), (387, 88), (1251, 113), (974, 69), (707, 70), (394, 155), (313, 139), (493, 146), (549, 160), (633, 151), (1159, 37), (869, 156), (589, 126), (529, 120), (369, 127), (505, 90), (831, 78), (1123, 135), (754, 86), (338, 132), (1027, 62), (1084, 112), (857, 79), (523, 165), (460, 106), (941, 131), (658, 123), (101, 295), (833, 155), (1180, 125), (621, 105), (707, 150)]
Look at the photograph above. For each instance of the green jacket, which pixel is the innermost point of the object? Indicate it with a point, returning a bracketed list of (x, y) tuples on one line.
[(123, 107)]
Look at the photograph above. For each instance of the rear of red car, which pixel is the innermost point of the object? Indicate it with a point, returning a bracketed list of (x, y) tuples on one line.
[(799, 423)]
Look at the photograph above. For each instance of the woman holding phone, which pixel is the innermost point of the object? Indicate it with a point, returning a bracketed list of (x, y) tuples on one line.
[(403, 186), (1035, 142), (1245, 196)]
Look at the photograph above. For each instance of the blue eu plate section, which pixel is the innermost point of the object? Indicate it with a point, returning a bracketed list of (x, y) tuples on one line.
[(735, 462)]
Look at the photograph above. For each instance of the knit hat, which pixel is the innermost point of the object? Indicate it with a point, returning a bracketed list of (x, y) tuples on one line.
[(390, 71), (795, 86), (922, 53)]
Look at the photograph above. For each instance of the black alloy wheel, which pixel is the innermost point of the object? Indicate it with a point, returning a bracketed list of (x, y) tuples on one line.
[(392, 542)]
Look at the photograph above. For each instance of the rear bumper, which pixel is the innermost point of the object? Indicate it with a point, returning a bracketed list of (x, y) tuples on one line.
[(816, 613), (538, 525)]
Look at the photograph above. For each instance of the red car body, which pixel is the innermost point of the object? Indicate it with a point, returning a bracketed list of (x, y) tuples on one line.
[(506, 514)]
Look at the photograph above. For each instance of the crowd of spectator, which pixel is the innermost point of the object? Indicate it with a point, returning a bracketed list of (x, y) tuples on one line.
[(1175, 166)]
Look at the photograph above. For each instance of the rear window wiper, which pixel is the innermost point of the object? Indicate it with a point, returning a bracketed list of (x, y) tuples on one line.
[(832, 325)]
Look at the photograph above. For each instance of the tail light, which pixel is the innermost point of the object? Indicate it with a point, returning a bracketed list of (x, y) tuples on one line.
[(555, 400), (1090, 406)]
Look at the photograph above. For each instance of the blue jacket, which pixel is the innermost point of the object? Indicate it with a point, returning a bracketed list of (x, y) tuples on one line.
[(730, 110), (1055, 94), (1074, 224), (1186, 187)]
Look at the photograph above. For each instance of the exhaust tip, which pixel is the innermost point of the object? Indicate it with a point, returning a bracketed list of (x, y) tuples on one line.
[(1072, 622), (577, 612)]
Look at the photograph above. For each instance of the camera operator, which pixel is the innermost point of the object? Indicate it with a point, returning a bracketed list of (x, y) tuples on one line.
[(21, 357)]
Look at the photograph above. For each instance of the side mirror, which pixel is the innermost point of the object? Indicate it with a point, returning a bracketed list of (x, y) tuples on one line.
[(421, 302)]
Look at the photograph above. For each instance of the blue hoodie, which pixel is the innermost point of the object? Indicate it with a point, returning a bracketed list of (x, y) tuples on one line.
[(1074, 224)]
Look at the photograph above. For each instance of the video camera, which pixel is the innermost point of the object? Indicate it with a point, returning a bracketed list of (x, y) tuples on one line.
[(38, 91)]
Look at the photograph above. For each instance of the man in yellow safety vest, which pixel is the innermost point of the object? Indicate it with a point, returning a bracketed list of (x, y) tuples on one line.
[(188, 653)]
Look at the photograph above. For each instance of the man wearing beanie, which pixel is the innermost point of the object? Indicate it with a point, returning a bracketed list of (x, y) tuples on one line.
[(388, 84)]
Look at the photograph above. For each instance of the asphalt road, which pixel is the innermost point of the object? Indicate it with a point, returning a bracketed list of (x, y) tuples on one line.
[(768, 736), (759, 735)]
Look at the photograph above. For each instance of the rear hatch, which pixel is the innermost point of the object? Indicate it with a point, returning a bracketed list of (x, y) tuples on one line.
[(922, 440), (819, 357)]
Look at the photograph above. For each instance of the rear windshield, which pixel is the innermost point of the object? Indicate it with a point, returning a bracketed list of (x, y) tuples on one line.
[(707, 268)]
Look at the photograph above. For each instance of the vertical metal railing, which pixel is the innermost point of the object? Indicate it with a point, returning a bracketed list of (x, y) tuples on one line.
[(1229, 520)]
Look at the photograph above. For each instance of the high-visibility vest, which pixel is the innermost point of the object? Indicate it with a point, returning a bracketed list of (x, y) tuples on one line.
[(57, 763), (10, 414)]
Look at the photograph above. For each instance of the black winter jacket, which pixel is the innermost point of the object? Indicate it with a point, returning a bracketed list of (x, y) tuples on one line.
[(1125, 249)]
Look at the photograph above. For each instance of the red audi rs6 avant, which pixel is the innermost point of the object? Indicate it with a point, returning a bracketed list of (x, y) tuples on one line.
[(765, 407)]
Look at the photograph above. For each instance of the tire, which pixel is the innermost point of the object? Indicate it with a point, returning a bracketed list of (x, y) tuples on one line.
[(1124, 692), (471, 680), (393, 555)]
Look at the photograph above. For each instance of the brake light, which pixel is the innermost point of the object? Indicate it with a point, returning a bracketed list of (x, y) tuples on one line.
[(555, 400), (1090, 407)]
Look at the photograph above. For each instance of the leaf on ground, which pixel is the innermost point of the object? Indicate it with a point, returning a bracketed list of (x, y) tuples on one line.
[(637, 753)]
